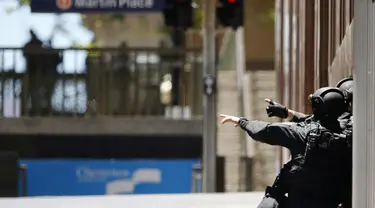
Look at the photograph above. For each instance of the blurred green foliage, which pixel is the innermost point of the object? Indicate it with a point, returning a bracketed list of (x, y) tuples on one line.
[(198, 15), (24, 2)]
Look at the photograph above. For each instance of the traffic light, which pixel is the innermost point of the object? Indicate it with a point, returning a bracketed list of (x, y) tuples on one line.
[(229, 13), (178, 13)]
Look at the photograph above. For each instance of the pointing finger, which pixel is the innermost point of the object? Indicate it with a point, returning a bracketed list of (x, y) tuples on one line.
[(223, 115), (269, 101), (224, 120)]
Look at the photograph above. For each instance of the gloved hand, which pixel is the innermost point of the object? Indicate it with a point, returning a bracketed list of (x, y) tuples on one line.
[(268, 202), (273, 199), (276, 109)]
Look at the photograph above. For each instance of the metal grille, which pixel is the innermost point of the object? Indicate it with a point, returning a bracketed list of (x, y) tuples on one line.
[(100, 81)]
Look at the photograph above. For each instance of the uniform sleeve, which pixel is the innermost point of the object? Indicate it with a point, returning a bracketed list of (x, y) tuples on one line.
[(299, 117), (288, 135)]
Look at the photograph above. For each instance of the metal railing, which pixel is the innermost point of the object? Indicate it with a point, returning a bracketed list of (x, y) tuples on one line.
[(99, 81), (23, 177), (196, 182)]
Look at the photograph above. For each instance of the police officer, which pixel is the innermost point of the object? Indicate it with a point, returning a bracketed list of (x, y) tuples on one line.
[(278, 110), (316, 181), (346, 120), (274, 193)]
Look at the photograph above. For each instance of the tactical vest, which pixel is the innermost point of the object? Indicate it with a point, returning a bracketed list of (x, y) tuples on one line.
[(348, 131), (347, 182), (319, 171)]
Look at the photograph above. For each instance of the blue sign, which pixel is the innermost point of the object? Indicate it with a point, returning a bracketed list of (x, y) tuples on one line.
[(99, 177), (101, 6)]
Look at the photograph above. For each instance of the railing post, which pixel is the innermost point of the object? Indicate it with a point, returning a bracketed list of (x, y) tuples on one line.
[(23, 172), (196, 178)]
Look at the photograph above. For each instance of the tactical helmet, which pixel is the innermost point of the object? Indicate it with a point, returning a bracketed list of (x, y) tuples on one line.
[(328, 102), (346, 85)]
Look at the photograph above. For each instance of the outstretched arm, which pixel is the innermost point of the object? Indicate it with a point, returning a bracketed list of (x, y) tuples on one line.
[(294, 116), (288, 135), (282, 134)]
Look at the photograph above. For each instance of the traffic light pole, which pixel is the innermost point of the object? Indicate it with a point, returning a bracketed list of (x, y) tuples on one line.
[(209, 97)]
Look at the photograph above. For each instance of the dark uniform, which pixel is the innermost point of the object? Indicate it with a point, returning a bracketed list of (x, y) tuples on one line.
[(275, 194), (346, 85), (293, 136), (280, 186), (311, 180)]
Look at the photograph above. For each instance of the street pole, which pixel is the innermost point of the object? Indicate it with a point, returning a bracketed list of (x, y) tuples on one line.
[(241, 77), (209, 97)]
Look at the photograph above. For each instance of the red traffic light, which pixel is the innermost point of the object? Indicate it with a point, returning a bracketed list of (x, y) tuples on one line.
[(231, 1)]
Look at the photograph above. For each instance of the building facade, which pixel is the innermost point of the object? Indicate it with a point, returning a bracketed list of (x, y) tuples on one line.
[(313, 47)]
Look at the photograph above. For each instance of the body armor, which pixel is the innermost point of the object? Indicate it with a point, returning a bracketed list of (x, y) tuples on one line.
[(322, 170)]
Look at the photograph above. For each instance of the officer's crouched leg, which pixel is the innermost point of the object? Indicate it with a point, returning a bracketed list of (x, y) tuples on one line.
[(268, 202)]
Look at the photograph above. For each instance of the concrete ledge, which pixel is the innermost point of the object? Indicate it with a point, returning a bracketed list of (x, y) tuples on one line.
[(220, 200), (101, 125)]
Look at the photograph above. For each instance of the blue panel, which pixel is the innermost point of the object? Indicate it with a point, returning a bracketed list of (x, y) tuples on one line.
[(97, 6), (98, 177)]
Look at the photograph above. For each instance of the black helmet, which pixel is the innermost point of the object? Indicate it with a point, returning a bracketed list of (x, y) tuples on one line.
[(328, 102), (346, 85)]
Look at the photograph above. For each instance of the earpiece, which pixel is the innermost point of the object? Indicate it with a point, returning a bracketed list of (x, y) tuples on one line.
[(319, 105)]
